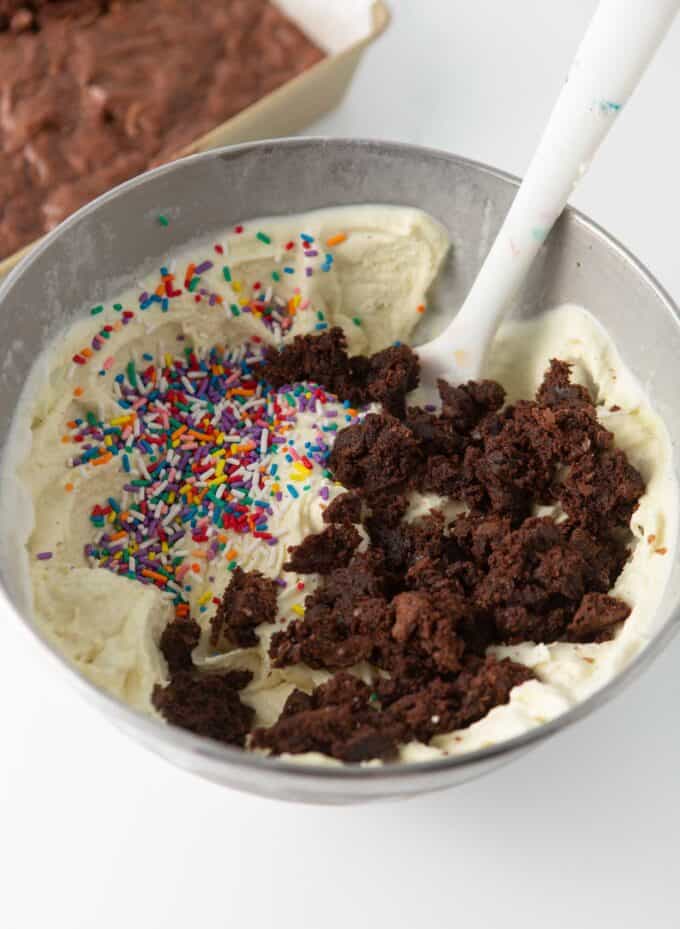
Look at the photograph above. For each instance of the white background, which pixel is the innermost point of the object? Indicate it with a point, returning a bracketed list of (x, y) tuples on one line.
[(583, 832)]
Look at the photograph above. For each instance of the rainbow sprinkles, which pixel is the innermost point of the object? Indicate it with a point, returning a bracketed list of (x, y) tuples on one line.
[(199, 436), (200, 439)]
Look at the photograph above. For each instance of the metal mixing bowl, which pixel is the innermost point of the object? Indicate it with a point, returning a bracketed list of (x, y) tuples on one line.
[(87, 259)]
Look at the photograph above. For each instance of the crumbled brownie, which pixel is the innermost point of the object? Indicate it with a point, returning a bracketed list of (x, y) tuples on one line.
[(207, 704), (322, 552), (464, 406), (322, 359), (345, 509), (557, 389), (180, 637), (337, 720), (375, 455), (349, 720), (392, 374), (596, 618), (250, 599), (386, 376), (601, 491), (427, 598), (487, 683), (345, 618), (429, 623)]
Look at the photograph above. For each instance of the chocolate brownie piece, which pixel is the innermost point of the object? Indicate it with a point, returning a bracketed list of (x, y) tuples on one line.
[(487, 683), (429, 623), (375, 455), (601, 491), (467, 404), (322, 359), (180, 637), (249, 599), (322, 552), (597, 618), (353, 722), (207, 704), (338, 720), (386, 376), (557, 390), (392, 374), (345, 618), (344, 509)]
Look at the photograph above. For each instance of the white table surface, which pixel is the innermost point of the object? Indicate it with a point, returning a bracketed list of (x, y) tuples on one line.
[(96, 832)]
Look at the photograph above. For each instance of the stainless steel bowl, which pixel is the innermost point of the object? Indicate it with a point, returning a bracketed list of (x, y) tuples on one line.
[(117, 237)]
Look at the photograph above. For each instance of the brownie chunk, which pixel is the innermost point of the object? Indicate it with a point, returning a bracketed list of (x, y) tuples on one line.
[(385, 377), (207, 704), (557, 389), (375, 455), (345, 509), (464, 406), (322, 552), (353, 722), (322, 359), (597, 618), (429, 623), (250, 599), (601, 491), (487, 683), (180, 637), (392, 374), (337, 719)]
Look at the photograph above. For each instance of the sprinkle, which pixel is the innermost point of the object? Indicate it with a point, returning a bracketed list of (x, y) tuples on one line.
[(96, 310), (44, 556), (292, 491), (263, 238), (356, 320), (336, 240), (420, 308), (298, 608), (227, 274), (163, 220)]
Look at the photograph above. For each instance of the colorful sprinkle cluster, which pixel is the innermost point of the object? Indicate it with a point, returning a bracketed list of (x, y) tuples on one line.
[(202, 440)]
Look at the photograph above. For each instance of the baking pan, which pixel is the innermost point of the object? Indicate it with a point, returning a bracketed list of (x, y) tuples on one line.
[(343, 29)]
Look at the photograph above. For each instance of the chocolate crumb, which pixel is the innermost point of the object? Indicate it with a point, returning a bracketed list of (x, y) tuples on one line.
[(344, 509), (596, 618), (250, 599), (180, 637), (323, 551), (375, 455), (207, 704)]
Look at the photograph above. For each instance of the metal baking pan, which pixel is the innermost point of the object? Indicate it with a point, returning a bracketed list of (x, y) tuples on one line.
[(344, 30)]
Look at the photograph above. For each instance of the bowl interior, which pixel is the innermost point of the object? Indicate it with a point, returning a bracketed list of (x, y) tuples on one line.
[(111, 242)]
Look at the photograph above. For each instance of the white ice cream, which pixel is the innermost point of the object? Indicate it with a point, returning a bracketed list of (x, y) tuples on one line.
[(109, 626)]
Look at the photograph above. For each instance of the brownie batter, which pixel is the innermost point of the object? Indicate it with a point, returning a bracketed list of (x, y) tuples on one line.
[(422, 603), (93, 92)]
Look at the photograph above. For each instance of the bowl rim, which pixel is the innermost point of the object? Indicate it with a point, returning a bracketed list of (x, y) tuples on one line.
[(209, 749)]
